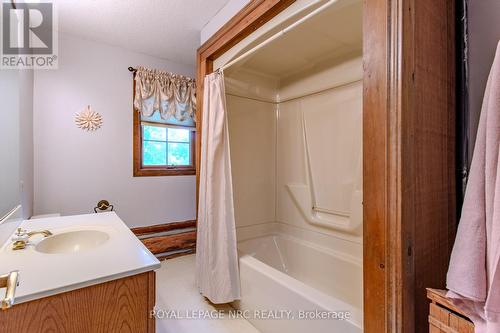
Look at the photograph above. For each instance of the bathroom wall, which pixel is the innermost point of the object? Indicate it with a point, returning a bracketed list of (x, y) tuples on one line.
[(231, 8), (10, 138), (484, 35), (252, 132), (16, 135), (26, 152), (333, 126), (252, 115), (74, 169), (268, 154)]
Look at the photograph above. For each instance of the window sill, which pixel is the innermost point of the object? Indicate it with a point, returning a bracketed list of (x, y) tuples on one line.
[(158, 172)]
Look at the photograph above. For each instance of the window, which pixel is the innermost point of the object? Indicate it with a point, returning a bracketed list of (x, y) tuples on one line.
[(162, 148), (164, 106)]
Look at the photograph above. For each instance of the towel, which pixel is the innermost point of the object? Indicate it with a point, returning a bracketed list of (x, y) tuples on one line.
[(473, 278)]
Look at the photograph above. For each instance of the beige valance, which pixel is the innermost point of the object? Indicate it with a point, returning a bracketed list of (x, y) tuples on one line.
[(171, 95)]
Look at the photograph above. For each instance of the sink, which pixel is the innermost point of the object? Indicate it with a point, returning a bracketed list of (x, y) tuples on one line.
[(72, 241)]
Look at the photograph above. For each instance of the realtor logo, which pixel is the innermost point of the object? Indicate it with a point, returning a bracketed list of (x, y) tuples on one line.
[(28, 35)]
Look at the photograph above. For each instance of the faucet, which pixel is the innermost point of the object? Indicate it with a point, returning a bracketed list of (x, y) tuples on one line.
[(21, 238)]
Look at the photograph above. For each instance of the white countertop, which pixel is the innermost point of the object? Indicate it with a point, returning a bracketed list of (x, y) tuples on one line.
[(42, 274)]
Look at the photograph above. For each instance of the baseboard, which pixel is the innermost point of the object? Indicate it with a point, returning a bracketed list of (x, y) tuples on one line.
[(173, 255), (169, 240)]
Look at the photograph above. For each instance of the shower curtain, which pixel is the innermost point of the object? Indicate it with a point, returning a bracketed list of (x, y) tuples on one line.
[(217, 274)]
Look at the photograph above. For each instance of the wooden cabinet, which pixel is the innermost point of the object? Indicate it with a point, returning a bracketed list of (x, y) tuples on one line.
[(122, 305), (446, 317)]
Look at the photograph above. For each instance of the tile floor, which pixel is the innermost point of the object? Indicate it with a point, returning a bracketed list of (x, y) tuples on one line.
[(176, 291)]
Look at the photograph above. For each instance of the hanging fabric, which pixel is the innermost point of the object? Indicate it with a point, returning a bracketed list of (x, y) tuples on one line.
[(217, 272), (173, 96), (474, 275)]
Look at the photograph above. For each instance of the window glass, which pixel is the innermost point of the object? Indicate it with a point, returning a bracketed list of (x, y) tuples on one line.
[(154, 153), (178, 135), (178, 153)]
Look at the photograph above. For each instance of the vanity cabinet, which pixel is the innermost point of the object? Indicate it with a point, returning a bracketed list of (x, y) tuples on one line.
[(122, 305)]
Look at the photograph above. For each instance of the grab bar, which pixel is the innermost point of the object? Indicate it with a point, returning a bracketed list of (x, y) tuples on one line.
[(9, 282)]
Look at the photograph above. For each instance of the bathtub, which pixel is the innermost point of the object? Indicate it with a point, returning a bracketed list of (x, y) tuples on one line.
[(291, 278)]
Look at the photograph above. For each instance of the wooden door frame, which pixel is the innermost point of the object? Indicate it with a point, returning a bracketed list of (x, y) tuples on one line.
[(396, 139)]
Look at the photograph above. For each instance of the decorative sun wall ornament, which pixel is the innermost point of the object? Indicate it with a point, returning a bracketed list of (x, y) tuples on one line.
[(88, 120)]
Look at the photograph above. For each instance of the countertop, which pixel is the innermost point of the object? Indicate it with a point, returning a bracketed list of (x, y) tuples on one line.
[(43, 274)]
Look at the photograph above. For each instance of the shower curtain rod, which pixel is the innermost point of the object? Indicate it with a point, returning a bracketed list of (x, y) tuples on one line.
[(278, 34)]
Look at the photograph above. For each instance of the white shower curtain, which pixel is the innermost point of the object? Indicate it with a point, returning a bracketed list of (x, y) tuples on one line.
[(217, 272)]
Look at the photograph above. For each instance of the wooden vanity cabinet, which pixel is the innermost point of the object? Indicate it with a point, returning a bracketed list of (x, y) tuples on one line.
[(122, 305)]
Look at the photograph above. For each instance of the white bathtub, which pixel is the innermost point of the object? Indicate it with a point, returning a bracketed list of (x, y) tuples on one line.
[(283, 273)]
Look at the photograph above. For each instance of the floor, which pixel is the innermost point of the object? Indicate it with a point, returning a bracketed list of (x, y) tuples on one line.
[(181, 309)]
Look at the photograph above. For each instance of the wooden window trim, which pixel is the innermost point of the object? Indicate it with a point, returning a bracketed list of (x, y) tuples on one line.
[(140, 170)]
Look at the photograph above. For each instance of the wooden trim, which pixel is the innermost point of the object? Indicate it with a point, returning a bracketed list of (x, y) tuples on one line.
[(140, 231), (254, 15), (376, 175), (153, 171), (177, 254)]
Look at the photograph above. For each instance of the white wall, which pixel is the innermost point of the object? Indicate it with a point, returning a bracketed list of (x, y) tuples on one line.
[(252, 137), (74, 169), (16, 137), (9, 141), (484, 35), (225, 14), (26, 173)]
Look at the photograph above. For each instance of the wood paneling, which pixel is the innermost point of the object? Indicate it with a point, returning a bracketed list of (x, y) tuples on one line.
[(117, 306)]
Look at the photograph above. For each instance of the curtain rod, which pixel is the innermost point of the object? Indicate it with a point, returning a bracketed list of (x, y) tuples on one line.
[(134, 71), (278, 34)]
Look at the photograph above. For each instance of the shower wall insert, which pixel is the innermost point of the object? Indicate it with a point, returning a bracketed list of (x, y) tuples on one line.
[(295, 133)]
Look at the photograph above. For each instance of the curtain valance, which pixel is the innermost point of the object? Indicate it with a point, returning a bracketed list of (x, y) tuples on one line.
[(171, 95)]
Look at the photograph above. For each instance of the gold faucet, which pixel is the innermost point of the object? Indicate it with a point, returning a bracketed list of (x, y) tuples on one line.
[(45, 233), (22, 237)]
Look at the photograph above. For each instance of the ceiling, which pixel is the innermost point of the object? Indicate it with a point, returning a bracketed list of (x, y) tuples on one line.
[(332, 34), (168, 29)]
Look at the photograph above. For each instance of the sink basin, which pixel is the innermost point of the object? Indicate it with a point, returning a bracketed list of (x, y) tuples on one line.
[(72, 241)]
